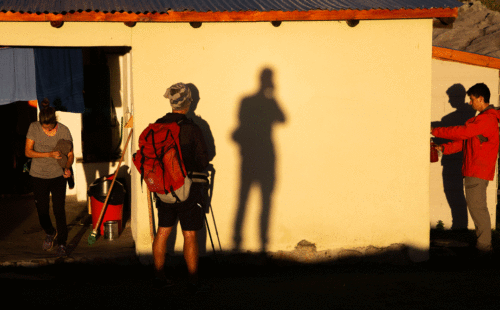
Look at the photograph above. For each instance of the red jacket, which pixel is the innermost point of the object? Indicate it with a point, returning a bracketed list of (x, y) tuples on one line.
[(478, 139)]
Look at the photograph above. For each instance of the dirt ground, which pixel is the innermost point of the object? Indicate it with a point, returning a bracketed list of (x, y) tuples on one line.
[(453, 278), (450, 280)]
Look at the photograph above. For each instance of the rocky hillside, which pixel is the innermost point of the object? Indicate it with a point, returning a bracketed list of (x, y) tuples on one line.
[(476, 30)]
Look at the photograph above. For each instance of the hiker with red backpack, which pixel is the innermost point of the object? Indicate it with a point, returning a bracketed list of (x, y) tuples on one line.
[(173, 168)]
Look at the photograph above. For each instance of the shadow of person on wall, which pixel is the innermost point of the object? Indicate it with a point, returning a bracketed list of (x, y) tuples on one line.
[(452, 164), (254, 135)]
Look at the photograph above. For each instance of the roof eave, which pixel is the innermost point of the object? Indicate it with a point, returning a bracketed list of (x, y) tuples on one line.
[(447, 54), (246, 16)]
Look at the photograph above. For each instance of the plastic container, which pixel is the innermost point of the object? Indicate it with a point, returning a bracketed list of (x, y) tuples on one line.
[(434, 153), (97, 192)]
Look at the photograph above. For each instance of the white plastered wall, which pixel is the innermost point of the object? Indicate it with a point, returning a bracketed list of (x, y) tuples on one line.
[(351, 158), (450, 81)]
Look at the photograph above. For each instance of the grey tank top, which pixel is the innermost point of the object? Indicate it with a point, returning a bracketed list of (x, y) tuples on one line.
[(46, 168)]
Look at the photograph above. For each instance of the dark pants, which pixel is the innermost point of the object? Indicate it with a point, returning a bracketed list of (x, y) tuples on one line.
[(188, 212), (475, 194), (42, 188)]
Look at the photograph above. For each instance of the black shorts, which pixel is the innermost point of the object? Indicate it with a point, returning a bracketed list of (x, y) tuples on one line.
[(189, 212)]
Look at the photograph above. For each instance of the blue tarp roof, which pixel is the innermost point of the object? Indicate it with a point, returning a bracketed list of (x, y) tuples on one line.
[(160, 6)]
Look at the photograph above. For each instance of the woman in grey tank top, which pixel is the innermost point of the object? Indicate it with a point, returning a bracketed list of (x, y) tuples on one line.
[(50, 145)]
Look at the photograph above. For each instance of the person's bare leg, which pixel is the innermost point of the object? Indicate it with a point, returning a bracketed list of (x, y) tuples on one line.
[(191, 254), (160, 250)]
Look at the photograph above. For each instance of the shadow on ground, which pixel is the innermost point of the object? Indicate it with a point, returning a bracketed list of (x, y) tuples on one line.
[(453, 278)]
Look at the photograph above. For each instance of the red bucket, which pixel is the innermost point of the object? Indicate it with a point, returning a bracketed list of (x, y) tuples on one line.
[(98, 192), (112, 213)]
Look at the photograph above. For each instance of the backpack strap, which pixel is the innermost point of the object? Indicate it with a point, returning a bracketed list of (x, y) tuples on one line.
[(198, 177), (179, 151), (177, 200), (143, 158), (172, 191), (158, 156)]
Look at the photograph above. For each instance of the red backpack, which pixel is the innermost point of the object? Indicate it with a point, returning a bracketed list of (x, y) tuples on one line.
[(159, 160)]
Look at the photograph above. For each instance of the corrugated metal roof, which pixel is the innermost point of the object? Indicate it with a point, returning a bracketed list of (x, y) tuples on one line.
[(161, 6)]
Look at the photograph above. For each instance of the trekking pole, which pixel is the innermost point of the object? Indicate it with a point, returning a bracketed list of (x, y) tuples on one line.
[(208, 228), (151, 217), (215, 225), (211, 188)]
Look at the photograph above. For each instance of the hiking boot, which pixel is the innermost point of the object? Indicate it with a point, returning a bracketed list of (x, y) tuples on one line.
[(62, 250), (198, 288), (161, 283), (48, 243)]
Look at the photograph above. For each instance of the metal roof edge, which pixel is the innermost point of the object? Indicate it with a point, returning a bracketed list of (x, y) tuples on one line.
[(226, 16)]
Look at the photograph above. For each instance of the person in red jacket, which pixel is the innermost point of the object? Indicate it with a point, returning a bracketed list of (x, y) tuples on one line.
[(478, 140)]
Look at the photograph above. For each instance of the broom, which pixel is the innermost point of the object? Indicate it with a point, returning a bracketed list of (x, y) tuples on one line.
[(93, 235)]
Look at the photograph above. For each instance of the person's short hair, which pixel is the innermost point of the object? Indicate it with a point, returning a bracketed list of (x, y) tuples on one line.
[(480, 90), (47, 113)]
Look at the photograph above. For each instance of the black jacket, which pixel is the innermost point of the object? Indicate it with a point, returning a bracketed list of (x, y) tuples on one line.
[(193, 146)]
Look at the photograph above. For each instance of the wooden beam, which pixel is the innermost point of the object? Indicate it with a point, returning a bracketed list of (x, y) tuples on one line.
[(248, 16), (447, 54)]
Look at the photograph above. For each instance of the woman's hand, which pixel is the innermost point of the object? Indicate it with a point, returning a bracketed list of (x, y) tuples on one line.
[(55, 154), (67, 173)]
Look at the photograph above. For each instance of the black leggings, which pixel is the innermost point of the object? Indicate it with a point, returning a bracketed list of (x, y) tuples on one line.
[(42, 188)]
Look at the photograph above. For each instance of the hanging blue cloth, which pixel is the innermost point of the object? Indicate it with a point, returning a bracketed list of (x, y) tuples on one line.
[(17, 75), (59, 77)]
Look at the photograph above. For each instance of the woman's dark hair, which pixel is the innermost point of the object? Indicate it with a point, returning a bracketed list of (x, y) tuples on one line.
[(47, 113)]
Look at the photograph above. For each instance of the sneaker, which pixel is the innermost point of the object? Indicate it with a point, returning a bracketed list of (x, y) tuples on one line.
[(62, 250), (48, 243)]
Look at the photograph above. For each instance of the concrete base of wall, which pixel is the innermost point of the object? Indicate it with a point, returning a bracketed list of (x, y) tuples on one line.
[(393, 254), (306, 253)]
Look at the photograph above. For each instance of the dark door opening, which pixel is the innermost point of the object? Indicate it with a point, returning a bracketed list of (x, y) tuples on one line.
[(102, 131)]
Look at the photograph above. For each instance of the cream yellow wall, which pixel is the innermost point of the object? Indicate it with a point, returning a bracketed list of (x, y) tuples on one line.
[(70, 34), (447, 76), (351, 158)]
